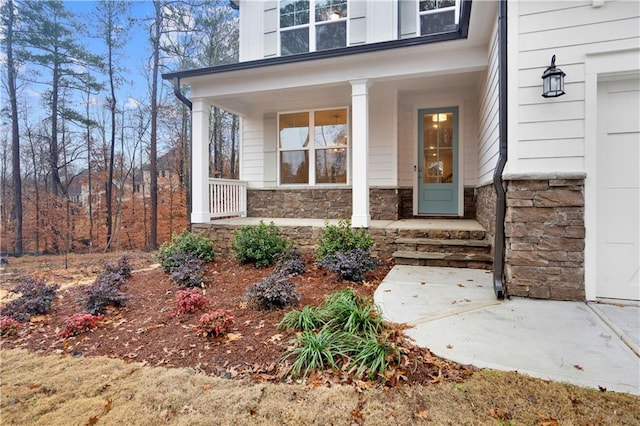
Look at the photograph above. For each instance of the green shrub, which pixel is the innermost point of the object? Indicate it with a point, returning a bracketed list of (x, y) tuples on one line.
[(342, 238), (259, 244), (170, 253)]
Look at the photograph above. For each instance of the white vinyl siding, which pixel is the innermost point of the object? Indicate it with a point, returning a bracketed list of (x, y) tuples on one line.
[(549, 134), (252, 159), (488, 143)]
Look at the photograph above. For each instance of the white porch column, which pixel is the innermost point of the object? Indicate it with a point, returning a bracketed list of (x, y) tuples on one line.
[(360, 150), (200, 162)]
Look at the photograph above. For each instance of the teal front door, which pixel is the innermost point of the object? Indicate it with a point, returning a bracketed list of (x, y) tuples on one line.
[(438, 161)]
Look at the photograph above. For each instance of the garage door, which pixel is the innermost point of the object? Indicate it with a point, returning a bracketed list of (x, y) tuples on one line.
[(618, 190)]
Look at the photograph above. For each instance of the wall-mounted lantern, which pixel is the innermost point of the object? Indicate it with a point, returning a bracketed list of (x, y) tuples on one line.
[(553, 80)]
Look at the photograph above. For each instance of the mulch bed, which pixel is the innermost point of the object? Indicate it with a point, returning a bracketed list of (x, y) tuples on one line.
[(147, 329)]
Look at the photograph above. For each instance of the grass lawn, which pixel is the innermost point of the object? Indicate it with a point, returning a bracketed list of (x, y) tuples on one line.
[(63, 390)]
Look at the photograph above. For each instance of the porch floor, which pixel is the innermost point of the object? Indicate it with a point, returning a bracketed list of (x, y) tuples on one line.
[(403, 224)]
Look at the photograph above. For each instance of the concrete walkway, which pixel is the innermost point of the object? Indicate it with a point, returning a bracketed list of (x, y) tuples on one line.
[(455, 314)]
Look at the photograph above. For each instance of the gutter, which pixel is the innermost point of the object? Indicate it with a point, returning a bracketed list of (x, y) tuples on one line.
[(499, 242), (178, 93)]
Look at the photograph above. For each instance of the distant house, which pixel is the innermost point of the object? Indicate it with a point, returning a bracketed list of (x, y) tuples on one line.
[(167, 168), (397, 109)]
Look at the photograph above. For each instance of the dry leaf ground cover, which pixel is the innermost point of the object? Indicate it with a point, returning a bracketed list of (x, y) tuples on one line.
[(81, 374)]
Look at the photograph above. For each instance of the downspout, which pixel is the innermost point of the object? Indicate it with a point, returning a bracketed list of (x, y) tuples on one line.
[(499, 242), (178, 93)]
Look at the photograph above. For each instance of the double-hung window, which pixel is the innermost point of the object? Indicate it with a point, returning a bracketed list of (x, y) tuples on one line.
[(438, 16), (311, 25), (313, 147)]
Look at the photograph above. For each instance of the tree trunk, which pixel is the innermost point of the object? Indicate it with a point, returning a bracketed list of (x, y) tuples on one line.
[(15, 133), (157, 26)]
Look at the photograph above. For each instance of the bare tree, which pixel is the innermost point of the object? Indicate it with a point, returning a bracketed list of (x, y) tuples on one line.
[(8, 24)]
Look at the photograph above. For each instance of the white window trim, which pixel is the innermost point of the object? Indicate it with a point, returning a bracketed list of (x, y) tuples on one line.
[(311, 26), (312, 150), (456, 8)]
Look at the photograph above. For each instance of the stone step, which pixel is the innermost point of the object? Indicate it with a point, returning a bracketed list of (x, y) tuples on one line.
[(447, 245), (455, 260), (443, 234)]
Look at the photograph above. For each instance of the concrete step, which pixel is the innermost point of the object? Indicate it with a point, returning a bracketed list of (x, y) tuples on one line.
[(443, 245), (455, 260)]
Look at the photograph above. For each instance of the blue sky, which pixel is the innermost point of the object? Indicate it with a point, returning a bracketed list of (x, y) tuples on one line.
[(137, 51)]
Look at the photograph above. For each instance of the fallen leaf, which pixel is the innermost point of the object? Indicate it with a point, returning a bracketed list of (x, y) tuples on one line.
[(577, 367), (232, 337), (423, 283), (275, 338), (420, 414), (449, 346), (460, 285)]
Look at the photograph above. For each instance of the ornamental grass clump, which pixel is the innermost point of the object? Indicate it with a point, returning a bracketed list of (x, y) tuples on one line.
[(259, 244), (36, 298), (346, 332)]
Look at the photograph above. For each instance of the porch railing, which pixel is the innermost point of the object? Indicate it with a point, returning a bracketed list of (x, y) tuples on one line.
[(227, 198)]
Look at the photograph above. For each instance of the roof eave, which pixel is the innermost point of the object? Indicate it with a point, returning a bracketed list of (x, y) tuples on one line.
[(462, 33)]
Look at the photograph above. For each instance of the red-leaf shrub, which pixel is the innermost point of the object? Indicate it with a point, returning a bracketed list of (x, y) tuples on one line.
[(216, 322), (79, 323), (191, 300), (8, 326)]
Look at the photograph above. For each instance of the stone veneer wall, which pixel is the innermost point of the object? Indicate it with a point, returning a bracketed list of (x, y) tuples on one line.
[(328, 203), (335, 203), (544, 230), (305, 238), (486, 211)]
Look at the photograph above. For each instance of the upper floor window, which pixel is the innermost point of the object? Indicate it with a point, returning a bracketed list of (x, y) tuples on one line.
[(313, 147), (311, 25), (438, 16)]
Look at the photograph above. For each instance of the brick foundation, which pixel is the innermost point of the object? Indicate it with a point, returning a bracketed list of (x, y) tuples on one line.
[(544, 230)]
